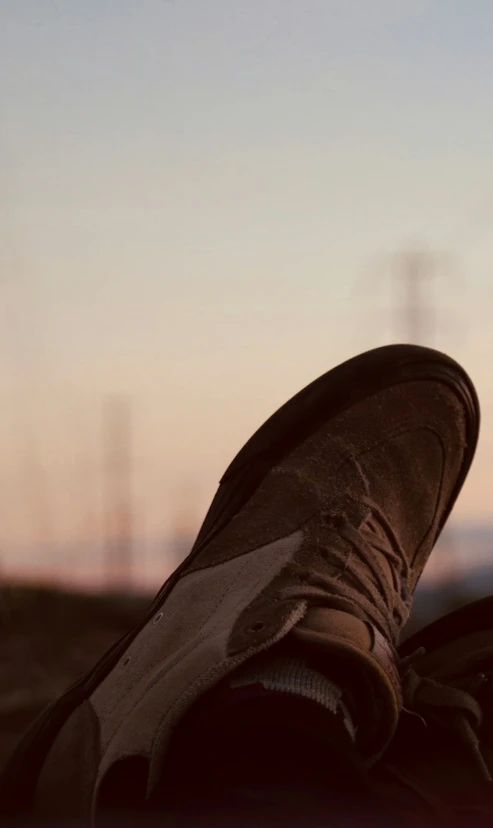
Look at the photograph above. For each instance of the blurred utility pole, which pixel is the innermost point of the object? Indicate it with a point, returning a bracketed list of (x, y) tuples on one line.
[(119, 540), (415, 269), (184, 527)]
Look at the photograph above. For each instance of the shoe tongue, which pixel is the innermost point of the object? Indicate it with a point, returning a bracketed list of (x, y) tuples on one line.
[(362, 662), (323, 623)]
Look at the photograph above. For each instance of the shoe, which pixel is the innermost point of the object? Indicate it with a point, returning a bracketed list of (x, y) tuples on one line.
[(317, 535), (438, 769)]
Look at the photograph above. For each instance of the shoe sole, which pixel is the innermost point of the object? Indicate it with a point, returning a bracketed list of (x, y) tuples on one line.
[(329, 395), (472, 618)]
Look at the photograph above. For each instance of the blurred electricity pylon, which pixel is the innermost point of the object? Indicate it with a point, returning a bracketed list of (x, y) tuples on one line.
[(185, 521), (119, 564), (415, 309), (419, 281), (415, 269)]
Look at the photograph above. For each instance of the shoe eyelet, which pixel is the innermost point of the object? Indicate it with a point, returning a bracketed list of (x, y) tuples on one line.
[(158, 618), (126, 661), (257, 627)]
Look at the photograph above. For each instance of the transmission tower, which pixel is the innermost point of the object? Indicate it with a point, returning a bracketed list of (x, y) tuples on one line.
[(414, 272), (118, 493), (415, 269), (184, 525)]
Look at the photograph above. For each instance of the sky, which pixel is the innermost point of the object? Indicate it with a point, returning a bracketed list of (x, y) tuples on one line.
[(201, 205)]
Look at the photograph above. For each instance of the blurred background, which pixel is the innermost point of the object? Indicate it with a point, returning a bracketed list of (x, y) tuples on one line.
[(203, 207)]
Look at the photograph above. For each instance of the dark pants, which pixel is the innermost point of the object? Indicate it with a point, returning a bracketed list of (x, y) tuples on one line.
[(258, 760)]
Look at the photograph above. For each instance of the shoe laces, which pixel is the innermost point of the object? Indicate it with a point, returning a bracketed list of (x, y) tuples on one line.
[(392, 595), (359, 582), (450, 706)]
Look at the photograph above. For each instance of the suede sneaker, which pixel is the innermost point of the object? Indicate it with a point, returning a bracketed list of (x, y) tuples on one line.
[(317, 537)]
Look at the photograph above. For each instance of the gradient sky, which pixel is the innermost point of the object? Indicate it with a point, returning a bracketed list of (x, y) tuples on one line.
[(199, 207)]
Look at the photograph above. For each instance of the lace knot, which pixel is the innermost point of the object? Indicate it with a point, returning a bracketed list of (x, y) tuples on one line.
[(450, 707)]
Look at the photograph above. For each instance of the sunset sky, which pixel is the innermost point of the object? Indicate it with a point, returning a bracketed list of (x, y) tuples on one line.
[(200, 206)]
